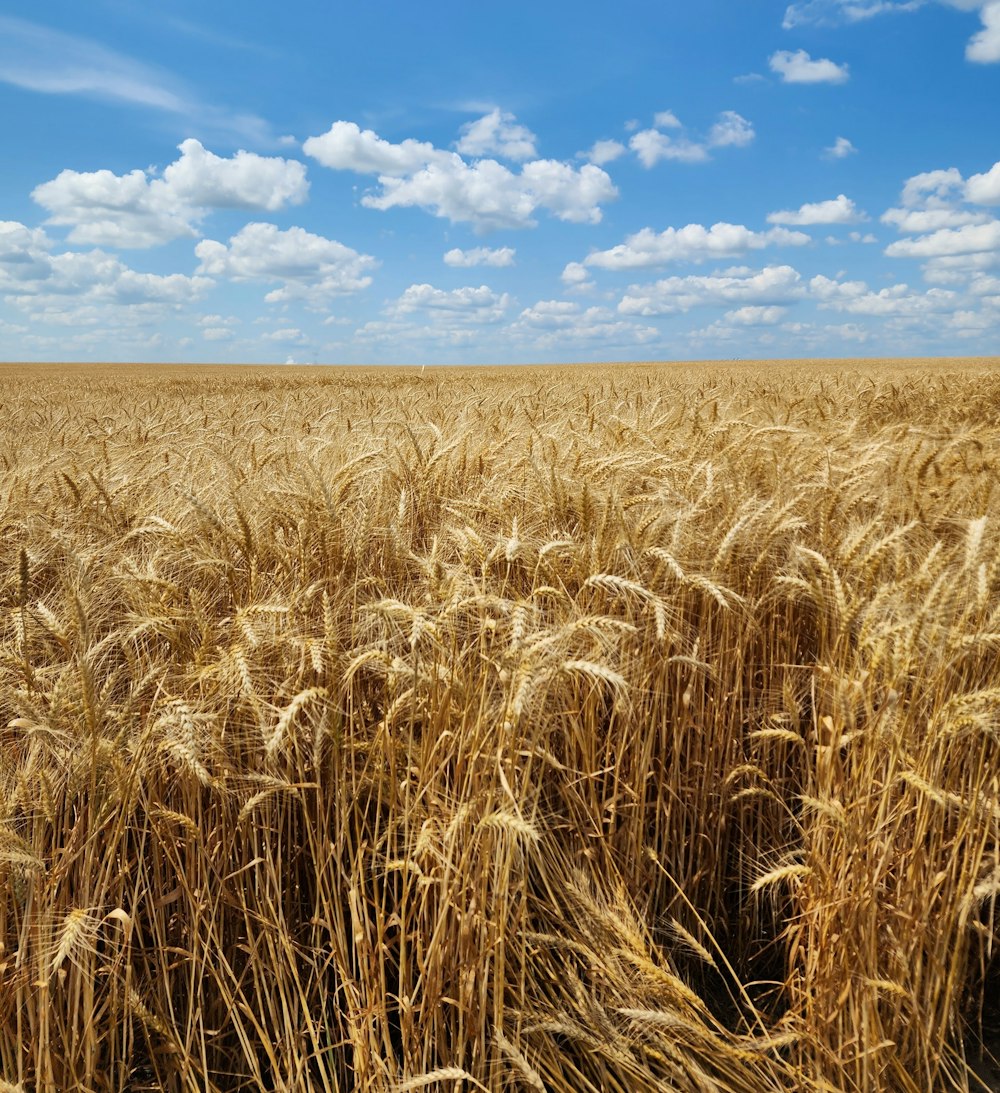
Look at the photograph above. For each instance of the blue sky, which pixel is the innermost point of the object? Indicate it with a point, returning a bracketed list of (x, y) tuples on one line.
[(400, 183)]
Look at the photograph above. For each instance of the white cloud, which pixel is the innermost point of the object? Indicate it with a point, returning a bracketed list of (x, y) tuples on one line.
[(666, 119), (604, 151), (27, 267), (653, 145), (40, 59), (217, 334), (731, 130), (772, 285), (308, 267), (956, 269), (480, 305), (953, 240), (984, 189), (838, 210), (551, 324), (479, 256), (831, 12), (574, 274), (137, 210), (799, 67), (243, 181), (85, 289), (752, 315), (919, 221), (218, 320), (984, 47), (114, 210), (933, 189), (982, 285), (970, 239), (484, 193), (497, 133), (840, 149), (23, 253), (555, 313), (288, 335), (692, 243), (346, 147), (899, 300), (576, 278)]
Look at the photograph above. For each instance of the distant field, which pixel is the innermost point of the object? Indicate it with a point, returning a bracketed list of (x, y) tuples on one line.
[(606, 727)]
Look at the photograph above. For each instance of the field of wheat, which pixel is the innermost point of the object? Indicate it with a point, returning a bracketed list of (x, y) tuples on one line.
[(631, 728)]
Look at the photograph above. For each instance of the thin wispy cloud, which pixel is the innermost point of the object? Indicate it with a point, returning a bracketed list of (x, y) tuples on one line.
[(834, 12), (51, 62)]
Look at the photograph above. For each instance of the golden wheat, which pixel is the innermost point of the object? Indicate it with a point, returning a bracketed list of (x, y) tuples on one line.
[(620, 728)]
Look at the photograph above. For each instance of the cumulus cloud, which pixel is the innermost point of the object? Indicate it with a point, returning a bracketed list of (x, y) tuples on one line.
[(984, 47), (484, 193), (286, 335), (899, 300), (799, 67), (667, 119), (575, 273), (140, 210), (479, 256), (497, 134), (74, 288), (577, 279), (984, 189), (767, 287), (218, 320), (919, 221), (654, 145), (953, 239), (23, 253), (114, 210), (755, 316), (692, 243), (307, 267), (479, 305), (970, 239), (839, 210), (840, 149), (730, 131), (554, 323), (347, 147), (933, 189), (246, 180), (931, 201), (604, 151), (424, 313)]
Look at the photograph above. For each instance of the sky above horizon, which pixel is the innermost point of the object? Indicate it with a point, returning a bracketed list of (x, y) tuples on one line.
[(451, 183)]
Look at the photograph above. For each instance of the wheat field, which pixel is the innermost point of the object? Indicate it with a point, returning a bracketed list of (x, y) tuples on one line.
[(619, 728)]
